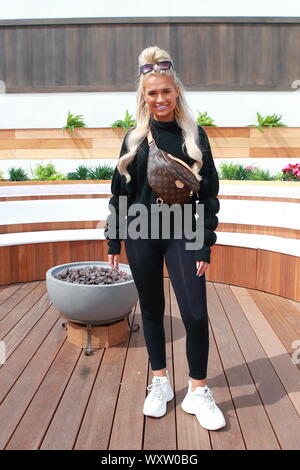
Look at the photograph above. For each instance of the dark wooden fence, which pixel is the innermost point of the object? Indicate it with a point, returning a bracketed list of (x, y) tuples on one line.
[(101, 54)]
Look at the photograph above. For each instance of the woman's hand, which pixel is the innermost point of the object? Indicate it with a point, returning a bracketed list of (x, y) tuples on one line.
[(114, 261), (201, 267)]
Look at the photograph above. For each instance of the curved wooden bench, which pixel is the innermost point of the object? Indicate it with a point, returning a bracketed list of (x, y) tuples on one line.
[(267, 259), (237, 259)]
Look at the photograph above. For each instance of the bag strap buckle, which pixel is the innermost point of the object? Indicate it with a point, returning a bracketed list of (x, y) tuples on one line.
[(150, 138), (159, 201)]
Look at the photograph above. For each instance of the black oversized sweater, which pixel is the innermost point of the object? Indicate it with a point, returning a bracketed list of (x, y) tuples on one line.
[(168, 137)]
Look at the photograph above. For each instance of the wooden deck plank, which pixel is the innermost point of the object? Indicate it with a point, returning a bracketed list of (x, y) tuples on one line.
[(250, 373), (65, 424), (276, 404), (287, 311), (160, 434), (250, 411), (20, 396), (17, 308), (284, 330), (23, 327), (21, 357), (98, 420), (231, 436), (295, 304), (288, 373), (190, 435), (128, 424), (5, 293), (35, 422), (15, 298)]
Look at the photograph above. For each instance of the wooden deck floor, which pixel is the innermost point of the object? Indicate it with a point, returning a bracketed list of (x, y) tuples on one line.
[(52, 396)]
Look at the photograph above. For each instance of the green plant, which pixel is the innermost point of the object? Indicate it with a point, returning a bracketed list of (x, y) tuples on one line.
[(73, 122), (101, 172), (46, 173), (17, 174), (268, 121), (126, 123), (81, 173), (236, 171), (259, 174), (204, 120), (232, 171)]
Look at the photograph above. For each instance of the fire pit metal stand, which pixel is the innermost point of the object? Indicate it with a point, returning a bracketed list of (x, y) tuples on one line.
[(89, 350)]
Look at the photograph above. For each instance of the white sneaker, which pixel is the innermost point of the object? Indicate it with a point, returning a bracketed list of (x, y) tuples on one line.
[(202, 404), (161, 392)]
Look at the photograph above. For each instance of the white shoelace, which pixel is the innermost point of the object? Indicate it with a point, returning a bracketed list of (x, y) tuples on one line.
[(156, 387), (208, 399)]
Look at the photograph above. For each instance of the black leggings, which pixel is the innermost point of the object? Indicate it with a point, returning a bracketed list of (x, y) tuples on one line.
[(145, 259)]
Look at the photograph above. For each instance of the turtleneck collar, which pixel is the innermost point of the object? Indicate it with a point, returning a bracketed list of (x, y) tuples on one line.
[(164, 124)]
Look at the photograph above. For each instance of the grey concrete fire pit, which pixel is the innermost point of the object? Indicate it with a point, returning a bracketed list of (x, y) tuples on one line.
[(91, 304)]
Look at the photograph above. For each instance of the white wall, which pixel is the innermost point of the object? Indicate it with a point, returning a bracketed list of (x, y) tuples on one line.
[(101, 109), (42, 110), (100, 8)]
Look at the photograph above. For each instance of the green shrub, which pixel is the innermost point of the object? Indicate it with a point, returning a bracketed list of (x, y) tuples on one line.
[(127, 123), (260, 174), (17, 174), (102, 172), (232, 171), (81, 173), (46, 173), (268, 121), (204, 120), (236, 171), (73, 122)]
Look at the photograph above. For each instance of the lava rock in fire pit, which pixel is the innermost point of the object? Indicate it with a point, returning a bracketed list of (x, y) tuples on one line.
[(93, 275)]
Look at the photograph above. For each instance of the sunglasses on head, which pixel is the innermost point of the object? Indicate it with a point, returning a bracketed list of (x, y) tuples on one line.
[(162, 65)]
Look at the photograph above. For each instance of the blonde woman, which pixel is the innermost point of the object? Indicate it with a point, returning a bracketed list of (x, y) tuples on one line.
[(162, 108)]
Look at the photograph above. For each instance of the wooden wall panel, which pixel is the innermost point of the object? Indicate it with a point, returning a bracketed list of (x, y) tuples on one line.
[(255, 269), (279, 274), (233, 265), (93, 143), (101, 54)]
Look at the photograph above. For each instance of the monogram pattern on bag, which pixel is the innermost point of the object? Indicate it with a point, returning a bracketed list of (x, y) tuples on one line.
[(163, 173)]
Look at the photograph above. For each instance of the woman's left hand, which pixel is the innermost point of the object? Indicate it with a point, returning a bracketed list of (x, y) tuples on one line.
[(201, 267)]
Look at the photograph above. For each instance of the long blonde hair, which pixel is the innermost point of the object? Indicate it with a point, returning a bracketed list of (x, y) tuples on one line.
[(183, 116)]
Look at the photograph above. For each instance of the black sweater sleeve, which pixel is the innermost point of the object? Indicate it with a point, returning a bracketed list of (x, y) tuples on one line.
[(118, 188), (208, 193)]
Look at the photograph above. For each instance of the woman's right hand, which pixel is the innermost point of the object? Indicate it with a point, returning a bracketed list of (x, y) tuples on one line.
[(114, 261)]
